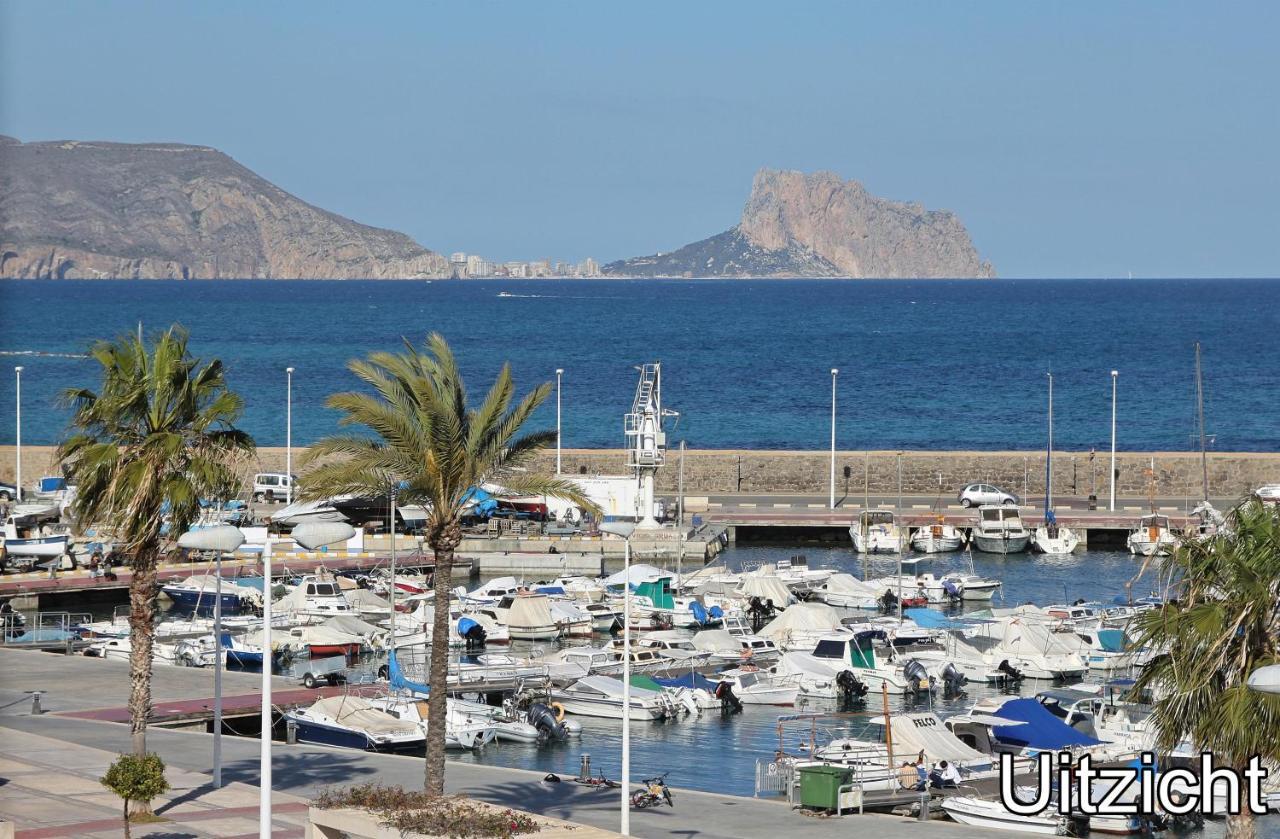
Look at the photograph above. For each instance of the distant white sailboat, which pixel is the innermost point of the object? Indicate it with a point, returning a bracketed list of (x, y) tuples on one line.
[(1051, 537)]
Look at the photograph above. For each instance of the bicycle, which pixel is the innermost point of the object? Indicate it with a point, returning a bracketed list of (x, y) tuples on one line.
[(600, 781), (653, 793)]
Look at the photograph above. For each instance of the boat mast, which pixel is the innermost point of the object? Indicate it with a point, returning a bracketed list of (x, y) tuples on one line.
[(1048, 460), (1204, 457)]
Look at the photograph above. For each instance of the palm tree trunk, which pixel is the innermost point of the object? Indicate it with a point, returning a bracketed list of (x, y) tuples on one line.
[(142, 626), (1242, 825), (438, 674)]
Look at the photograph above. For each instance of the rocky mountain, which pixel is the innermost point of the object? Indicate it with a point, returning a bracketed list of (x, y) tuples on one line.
[(163, 210), (818, 225)]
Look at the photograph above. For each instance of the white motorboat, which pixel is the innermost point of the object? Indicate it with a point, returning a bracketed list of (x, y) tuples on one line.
[(572, 618), (315, 597), (1038, 653), (462, 730), (796, 574), (356, 723), (601, 696), (24, 537), (494, 592), (294, 514), (937, 538), (677, 646), (876, 531), (801, 626), (754, 686), (979, 812), (196, 652), (912, 734), (999, 530), (856, 654), (724, 647), (846, 591), (198, 593), (1152, 536)]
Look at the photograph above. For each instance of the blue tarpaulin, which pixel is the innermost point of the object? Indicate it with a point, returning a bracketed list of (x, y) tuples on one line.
[(397, 679), (690, 680), (1040, 730)]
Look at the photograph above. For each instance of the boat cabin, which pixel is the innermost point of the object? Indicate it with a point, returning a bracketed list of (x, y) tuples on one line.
[(993, 519), (871, 518), (854, 649)]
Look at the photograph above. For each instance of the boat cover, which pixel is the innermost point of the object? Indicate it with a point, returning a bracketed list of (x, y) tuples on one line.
[(914, 733), (849, 584), (690, 680), (352, 625), (363, 600), (609, 687), (1021, 635), (530, 611), (1041, 730), (930, 618), (356, 712), (642, 680), (766, 588), (1112, 640), (397, 678), (639, 574), (806, 617), (714, 640)]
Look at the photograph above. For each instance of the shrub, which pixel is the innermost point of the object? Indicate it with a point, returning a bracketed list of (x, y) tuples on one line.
[(419, 812), (135, 778)]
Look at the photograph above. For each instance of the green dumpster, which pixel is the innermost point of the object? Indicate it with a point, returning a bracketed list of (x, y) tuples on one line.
[(820, 786)]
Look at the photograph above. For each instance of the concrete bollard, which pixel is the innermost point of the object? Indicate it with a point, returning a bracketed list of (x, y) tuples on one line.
[(291, 732), (924, 807), (584, 768), (36, 710)]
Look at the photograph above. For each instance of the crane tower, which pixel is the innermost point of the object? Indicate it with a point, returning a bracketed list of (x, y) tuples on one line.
[(646, 442)]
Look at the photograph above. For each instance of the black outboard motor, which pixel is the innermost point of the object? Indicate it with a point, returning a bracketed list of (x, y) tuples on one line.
[(729, 702), (953, 681), (851, 687), (756, 609), (888, 601), (544, 719), (917, 677), (1011, 673), (473, 633), (953, 590)]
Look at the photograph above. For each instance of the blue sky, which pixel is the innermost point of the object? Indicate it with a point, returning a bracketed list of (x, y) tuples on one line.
[(1073, 139)]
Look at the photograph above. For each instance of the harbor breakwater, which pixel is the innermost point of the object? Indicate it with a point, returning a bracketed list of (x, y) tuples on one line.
[(715, 471)]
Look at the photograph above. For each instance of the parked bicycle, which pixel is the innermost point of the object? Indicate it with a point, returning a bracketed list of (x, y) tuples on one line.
[(598, 781), (653, 793)]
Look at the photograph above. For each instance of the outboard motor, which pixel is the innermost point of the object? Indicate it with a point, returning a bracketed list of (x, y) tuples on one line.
[(851, 687), (729, 702), (1012, 673), (953, 681), (756, 609), (953, 590), (917, 677), (473, 633), (888, 601), (544, 719)]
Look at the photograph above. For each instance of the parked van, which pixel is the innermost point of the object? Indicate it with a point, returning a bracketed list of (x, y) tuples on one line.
[(272, 486)]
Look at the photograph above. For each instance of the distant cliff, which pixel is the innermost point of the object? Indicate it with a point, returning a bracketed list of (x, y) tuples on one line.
[(798, 225), (159, 211)]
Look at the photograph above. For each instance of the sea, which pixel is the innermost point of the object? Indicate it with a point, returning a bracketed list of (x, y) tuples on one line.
[(932, 364)]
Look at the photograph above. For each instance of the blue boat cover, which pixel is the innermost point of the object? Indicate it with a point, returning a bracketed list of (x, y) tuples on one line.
[(464, 625), (550, 590), (397, 679), (1112, 640), (716, 612), (699, 611), (689, 680), (1041, 729), (928, 618)]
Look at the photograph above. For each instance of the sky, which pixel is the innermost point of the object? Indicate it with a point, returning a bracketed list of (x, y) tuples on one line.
[(1073, 139)]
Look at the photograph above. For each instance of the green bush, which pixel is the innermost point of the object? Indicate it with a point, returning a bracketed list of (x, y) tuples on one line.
[(136, 778), (418, 812)]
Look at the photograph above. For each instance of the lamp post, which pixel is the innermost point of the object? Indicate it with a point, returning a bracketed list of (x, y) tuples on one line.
[(288, 434), (1114, 375), (393, 566), (17, 374), (832, 495), (625, 529), (559, 375), (222, 539), (1265, 679)]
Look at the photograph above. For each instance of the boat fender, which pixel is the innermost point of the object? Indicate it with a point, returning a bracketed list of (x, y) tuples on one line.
[(573, 728)]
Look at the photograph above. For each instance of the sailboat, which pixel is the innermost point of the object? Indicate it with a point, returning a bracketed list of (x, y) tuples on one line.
[(1051, 537), (1211, 522)]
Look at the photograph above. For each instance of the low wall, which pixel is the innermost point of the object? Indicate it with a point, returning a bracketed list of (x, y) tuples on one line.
[(710, 471)]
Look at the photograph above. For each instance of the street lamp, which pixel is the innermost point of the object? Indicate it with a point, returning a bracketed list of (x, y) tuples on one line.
[(310, 535), (625, 529), (288, 435), (832, 499), (1114, 375), (559, 375), (17, 374), (1265, 679), (222, 539)]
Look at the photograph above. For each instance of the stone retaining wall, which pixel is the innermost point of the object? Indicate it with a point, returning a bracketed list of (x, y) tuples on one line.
[(717, 471)]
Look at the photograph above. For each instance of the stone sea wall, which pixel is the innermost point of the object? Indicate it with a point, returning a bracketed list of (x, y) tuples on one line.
[(1176, 474)]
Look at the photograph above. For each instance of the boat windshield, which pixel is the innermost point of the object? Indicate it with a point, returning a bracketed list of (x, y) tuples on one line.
[(877, 517), (829, 649)]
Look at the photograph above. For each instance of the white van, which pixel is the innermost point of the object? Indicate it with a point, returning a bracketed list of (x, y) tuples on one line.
[(272, 486)]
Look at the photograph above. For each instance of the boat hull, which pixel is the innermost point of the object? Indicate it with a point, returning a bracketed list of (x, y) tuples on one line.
[(309, 731), (43, 547), (1001, 545), (325, 650), (202, 602), (989, 815)]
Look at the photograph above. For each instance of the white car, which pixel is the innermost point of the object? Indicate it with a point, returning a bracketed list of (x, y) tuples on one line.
[(8, 492), (272, 486), (1269, 493), (975, 495)]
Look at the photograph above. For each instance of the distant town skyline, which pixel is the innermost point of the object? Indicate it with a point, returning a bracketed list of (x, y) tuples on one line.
[(1071, 140)]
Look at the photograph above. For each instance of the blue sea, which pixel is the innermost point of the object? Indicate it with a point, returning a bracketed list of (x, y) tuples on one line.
[(923, 364)]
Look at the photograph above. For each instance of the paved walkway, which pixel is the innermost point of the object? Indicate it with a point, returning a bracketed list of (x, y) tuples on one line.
[(303, 770)]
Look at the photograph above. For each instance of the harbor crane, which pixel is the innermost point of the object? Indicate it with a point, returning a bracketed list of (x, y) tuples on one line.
[(646, 442)]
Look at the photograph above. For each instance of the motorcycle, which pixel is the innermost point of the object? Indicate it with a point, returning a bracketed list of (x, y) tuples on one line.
[(654, 792)]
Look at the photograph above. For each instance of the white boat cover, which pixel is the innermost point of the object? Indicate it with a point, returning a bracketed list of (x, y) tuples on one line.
[(766, 588), (714, 640), (1023, 636), (803, 664), (611, 687), (495, 587), (915, 733), (805, 617), (640, 574), (321, 634), (209, 583), (356, 712), (530, 611), (363, 600), (351, 625), (849, 584), (306, 511), (565, 610)]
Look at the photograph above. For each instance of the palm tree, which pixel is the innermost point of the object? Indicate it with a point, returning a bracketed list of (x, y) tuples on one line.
[(434, 448), (1223, 624), (159, 435)]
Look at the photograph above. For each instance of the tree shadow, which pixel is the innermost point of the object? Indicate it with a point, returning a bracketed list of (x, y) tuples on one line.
[(569, 801), (292, 770)]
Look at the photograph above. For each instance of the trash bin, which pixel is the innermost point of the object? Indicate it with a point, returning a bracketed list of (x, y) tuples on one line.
[(820, 786), (1093, 502)]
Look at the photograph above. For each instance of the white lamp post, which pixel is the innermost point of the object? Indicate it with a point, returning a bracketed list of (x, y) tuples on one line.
[(17, 374), (1114, 375), (834, 372), (625, 529), (559, 375), (1265, 679), (310, 535), (288, 435), (223, 539)]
